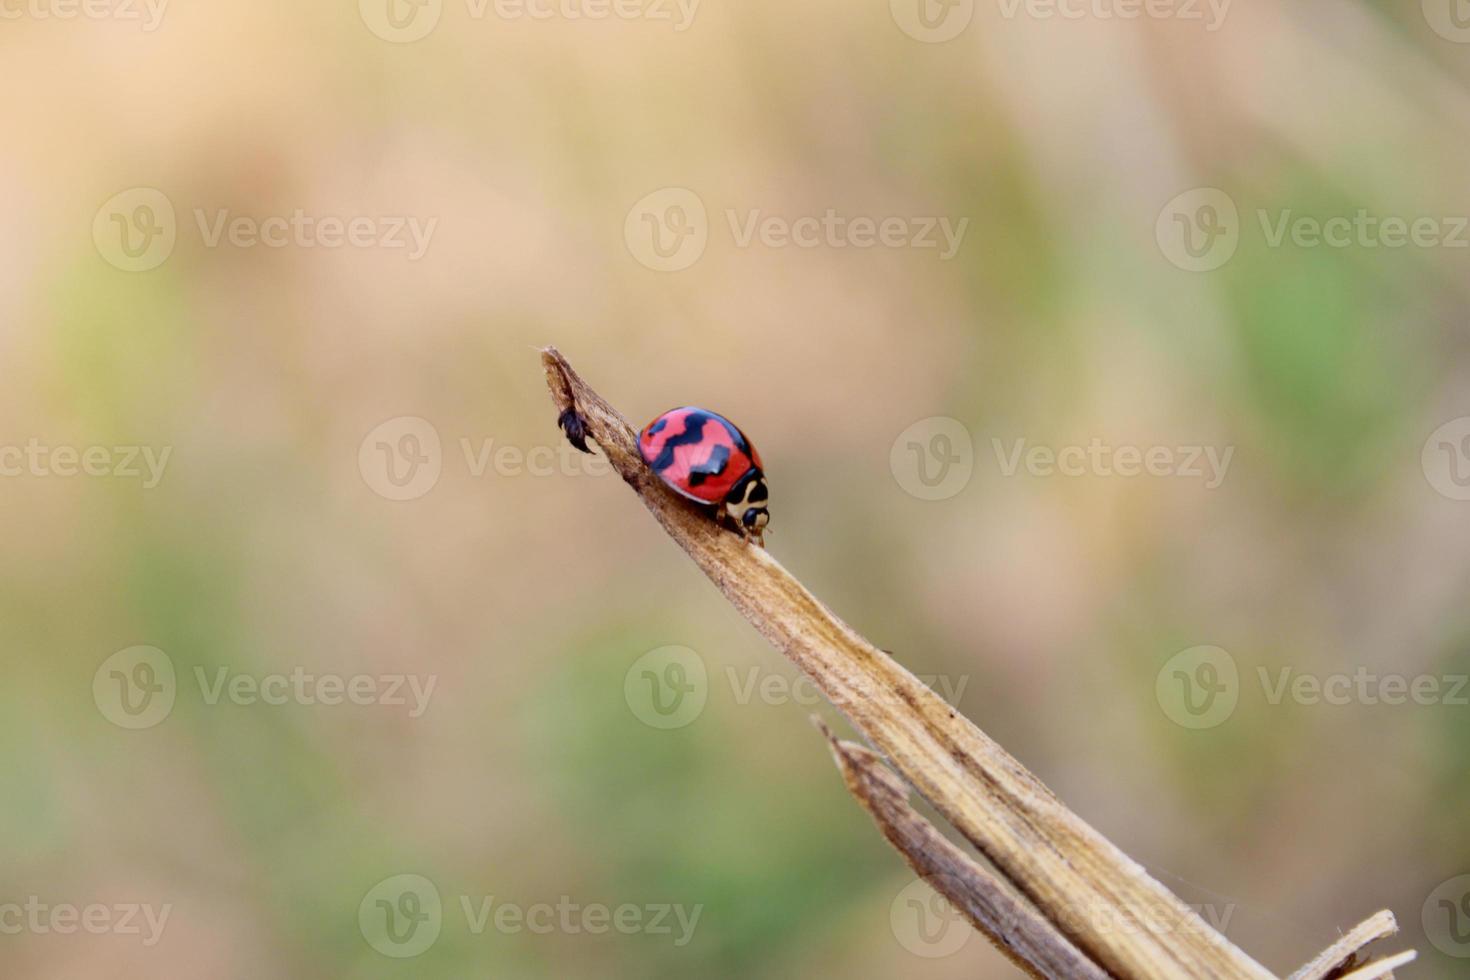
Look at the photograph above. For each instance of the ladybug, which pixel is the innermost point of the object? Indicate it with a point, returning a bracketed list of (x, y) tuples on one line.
[(703, 456)]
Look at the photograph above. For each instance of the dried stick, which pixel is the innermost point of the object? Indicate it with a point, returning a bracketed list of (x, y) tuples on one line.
[(1105, 903), (1017, 930)]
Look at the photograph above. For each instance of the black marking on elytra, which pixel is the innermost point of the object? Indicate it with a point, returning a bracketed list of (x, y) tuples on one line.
[(719, 458), (576, 429), (657, 427), (737, 437), (693, 432)]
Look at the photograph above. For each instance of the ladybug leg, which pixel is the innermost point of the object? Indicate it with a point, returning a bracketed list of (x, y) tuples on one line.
[(724, 521), (752, 535)]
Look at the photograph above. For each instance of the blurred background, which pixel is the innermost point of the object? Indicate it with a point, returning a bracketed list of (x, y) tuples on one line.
[(1110, 368)]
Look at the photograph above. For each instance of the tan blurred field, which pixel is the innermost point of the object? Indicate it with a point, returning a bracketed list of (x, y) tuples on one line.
[(299, 257)]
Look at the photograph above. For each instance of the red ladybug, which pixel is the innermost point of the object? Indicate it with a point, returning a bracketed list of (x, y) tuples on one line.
[(704, 457)]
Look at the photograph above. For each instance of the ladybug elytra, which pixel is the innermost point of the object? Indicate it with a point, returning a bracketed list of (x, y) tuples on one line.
[(703, 456)]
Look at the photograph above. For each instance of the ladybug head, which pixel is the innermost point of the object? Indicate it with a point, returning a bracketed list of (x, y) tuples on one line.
[(746, 505)]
